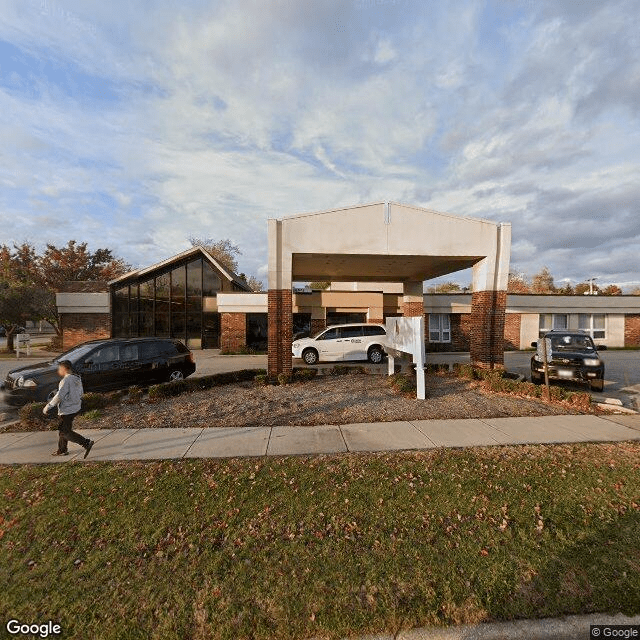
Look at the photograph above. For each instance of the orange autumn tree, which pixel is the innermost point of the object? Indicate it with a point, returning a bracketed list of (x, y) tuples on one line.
[(34, 278)]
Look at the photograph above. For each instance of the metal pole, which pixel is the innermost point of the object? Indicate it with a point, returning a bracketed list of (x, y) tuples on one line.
[(545, 357)]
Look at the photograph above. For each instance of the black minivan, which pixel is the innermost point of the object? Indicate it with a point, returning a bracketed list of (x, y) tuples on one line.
[(103, 365)]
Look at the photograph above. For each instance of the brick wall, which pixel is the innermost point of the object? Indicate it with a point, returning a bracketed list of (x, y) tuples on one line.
[(233, 332), (412, 309), (632, 330), (487, 328), (280, 331), (80, 327), (317, 325), (512, 330), (375, 321)]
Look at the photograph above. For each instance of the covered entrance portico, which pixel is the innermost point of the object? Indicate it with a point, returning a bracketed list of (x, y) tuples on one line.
[(389, 242)]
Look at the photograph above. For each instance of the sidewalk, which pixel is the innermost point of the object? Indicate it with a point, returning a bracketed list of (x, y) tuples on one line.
[(153, 444)]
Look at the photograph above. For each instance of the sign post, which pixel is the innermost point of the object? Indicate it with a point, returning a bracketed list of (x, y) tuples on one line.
[(544, 353), (405, 335)]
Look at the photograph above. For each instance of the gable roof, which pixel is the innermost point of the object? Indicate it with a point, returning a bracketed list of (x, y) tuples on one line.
[(194, 251)]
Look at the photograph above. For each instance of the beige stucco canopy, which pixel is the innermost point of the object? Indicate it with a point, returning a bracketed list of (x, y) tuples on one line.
[(380, 242)]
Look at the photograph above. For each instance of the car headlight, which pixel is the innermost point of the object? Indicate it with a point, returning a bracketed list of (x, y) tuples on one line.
[(30, 383), (591, 362), (536, 357), (20, 382)]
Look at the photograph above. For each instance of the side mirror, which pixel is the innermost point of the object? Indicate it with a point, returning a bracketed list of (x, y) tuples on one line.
[(534, 345), (601, 347)]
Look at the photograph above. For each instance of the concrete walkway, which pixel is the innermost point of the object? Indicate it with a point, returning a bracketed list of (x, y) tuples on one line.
[(231, 442)]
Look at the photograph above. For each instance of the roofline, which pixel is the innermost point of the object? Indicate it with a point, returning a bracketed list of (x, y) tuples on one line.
[(232, 277), (382, 202)]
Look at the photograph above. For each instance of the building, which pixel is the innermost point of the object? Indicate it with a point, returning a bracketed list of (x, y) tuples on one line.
[(374, 275)]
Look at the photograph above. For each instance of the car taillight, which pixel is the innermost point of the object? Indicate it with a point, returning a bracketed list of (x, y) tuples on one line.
[(191, 357)]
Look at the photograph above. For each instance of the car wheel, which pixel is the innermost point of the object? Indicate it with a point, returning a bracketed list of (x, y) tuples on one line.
[(310, 356), (536, 379), (175, 374), (375, 355), (597, 385)]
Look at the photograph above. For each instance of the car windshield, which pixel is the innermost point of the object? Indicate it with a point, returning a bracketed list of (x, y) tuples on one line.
[(75, 354), (572, 343)]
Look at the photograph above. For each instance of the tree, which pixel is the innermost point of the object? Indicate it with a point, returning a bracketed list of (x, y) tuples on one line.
[(612, 290), (253, 282), (223, 251), (542, 282), (19, 302), (518, 283), (567, 290), (445, 287), (33, 279)]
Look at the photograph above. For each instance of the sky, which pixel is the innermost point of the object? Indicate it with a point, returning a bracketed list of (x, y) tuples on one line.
[(133, 125)]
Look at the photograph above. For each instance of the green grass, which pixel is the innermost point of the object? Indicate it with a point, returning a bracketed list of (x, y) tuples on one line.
[(321, 547)]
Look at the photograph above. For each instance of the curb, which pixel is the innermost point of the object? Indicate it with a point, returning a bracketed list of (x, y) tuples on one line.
[(567, 628)]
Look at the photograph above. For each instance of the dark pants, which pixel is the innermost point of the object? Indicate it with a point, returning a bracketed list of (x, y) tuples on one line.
[(66, 433)]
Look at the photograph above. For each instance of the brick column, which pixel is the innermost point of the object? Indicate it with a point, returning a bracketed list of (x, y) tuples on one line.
[(233, 332), (280, 331), (412, 299), (632, 330), (487, 328), (317, 325)]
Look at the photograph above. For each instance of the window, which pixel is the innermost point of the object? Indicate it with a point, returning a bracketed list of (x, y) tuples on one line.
[(211, 280), (439, 327), (374, 331), (549, 321), (352, 332), (338, 317), (129, 352), (109, 353), (150, 350), (257, 328), (593, 323), (331, 334)]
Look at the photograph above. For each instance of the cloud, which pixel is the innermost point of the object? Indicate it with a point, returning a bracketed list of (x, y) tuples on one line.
[(139, 127)]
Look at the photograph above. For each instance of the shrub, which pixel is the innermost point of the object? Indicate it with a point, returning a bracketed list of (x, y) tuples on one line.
[(304, 374), (464, 370), (284, 378), (94, 414), (92, 401), (31, 414), (262, 379), (135, 394), (403, 383), (436, 367), (167, 390)]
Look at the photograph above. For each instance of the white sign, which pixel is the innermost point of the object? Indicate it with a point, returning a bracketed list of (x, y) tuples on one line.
[(23, 341), (406, 335), (544, 348)]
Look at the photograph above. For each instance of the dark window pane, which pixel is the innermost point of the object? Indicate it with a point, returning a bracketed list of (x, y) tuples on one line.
[(103, 355), (145, 309), (211, 330), (194, 281), (163, 289), (178, 325), (329, 335), (212, 283), (194, 325), (351, 332), (162, 324), (129, 353), (374, 331), (301, 323), (334, 317), (120, 325), (257, 326), (178, 289), (121, 300)]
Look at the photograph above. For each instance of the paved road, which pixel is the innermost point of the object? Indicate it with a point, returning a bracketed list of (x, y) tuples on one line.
[(229, 442)]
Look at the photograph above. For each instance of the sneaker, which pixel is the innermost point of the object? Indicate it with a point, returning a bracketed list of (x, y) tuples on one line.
[(88, 448), (60, 453)]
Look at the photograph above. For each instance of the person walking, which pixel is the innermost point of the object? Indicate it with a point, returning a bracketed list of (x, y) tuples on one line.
[(68, 399)]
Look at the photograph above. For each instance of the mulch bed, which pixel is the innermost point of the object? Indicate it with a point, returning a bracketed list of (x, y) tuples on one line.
[(325, 400)]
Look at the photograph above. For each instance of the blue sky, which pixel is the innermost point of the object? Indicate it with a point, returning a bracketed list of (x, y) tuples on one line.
[(136, 124)]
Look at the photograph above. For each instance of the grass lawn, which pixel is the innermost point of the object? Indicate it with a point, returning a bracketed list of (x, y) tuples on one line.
[(321, 547)]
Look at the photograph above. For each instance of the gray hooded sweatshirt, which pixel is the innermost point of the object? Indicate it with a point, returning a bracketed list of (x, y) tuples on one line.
[(69, 396)]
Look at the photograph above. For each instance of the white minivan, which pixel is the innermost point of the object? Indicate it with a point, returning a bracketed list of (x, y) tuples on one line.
[(343, 342)]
